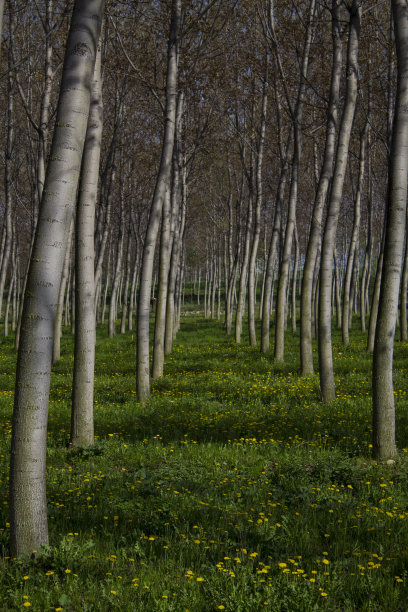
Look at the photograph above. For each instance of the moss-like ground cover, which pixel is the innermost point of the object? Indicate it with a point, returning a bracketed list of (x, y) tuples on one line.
[(234, 489)]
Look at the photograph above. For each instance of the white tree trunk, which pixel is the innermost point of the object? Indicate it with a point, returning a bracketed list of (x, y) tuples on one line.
[(327, 387), (28, 505), (162, 183), (82, 423), (383, 394)]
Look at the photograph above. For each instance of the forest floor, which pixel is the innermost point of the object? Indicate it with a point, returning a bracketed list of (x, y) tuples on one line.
[(234, 489)]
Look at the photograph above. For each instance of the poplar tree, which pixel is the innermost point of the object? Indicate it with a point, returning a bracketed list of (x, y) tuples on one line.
[(28, 505), (383, 394)]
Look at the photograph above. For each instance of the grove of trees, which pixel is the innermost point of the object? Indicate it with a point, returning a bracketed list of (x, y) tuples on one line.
[(247, 156)]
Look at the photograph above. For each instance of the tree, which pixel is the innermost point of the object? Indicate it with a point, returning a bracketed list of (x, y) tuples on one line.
[(28, 506), (306, 353), (162, 184), (82, 425), (296, 116), (327, 387), (383, 395)]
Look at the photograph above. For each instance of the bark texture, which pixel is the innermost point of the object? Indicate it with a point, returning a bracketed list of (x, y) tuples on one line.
[(306, 314), (82, 425), (327, 387), (383, 394), (28, 506), (162, 183)]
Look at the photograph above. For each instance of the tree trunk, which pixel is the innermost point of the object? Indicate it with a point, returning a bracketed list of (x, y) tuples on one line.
[(306, 311), (294, 279), (28, 505), (326, 372), (297, 116), (383, 394), (162, 183), (126, 295), (353, 249), (82, 422), (244, 274), (404, 290), (375, 299), (257, 224), (365, 277), (56, 347), (164, 263), (116, 273)]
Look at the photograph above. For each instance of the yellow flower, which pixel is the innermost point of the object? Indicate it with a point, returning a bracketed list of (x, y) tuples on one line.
[(323, 594), (67, 571), (27, 604), (113, 592), (199, 579), (282, 564), (326, 561)]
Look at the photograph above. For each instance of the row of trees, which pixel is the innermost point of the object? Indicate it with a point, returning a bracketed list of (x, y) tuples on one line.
[(255, 142)]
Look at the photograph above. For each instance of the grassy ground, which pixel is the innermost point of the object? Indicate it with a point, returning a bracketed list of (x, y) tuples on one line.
[(234, 489)]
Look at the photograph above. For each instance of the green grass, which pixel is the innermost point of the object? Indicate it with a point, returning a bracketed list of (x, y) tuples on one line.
[(235, 488)]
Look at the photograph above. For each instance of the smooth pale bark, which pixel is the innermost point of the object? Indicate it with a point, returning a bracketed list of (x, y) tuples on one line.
[(271, 262), (126, 296), (263, 276), (337, 290), (257, 222), (375, 299), (244, 273), (67, 310), (162, 183), (404, 290), (43, 128), (164, 264), (71, 299), (234, 261), (384, 446), (16, 294), (135, 275), (326, 372), (294, 281), (353, 250), (117, 271), (297, 115), (107, 283), (105, 234), (11, 287), (82, 422), (365, 276), (56, 345), (277, 226), (181, 269), (176, 220), (306, 310), (28, 505), (175, 279)]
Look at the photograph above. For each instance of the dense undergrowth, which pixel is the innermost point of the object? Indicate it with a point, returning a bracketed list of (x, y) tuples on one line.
[(234, 489)]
